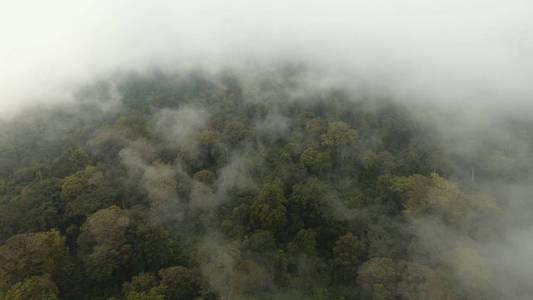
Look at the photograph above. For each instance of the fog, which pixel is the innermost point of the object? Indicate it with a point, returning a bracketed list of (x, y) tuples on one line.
[(472, 53), (471, 61)]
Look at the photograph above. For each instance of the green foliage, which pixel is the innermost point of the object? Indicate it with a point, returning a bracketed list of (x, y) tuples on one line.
[(37, 208), (35, 287), (309, 201), (248, 279), (205, 176), (420, 282), (142, 282), (347, 255), (88, 190), (153, 249), (235, 132), (102, 242), (178, 283), (268, 210), (377, 278), (28, 254), (315, 159), (282, 193), (153, 294), (78, 182), (432, 194), (340, 134), (261, 241), (69, 162), (316, 127), (414, 190), (378, 163), (305, 241)]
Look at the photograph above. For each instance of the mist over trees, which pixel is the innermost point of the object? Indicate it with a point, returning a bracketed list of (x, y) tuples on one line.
[(261, 185)]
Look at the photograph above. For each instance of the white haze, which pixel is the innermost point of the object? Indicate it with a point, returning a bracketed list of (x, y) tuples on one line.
[(473, 53), (475, 58)]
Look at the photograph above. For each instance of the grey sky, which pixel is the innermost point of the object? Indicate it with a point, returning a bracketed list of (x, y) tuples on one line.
[(475, 52)]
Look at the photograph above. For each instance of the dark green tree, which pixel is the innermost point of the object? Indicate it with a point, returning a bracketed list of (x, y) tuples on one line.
[(268, 210)]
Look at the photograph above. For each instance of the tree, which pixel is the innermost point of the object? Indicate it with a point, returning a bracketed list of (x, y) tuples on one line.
[(420, 282), (38, 208), (251, 199), (106, 143), (377, 278), (385, 237), (28, 254), (140, 283), (208, 153), (413, 189), (315, 160), (235, 132), (248, 280), (102, 242), (309, 201), (340, 139), (432, 194), (35, 287), (159, 180), (261, 241), (316, 127), (153, 294), (178, 283), (339, 135), (152, 249), (305, 242), (86, 191), (268, 209), (377, 163), (70, 161), (205, 176), (347, 255)]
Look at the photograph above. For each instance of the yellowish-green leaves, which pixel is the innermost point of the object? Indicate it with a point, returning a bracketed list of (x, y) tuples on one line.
[(154, 294), (107, 225), (423, 192), (435, 194), (315, 159), (30, 254), (205, 176), (340, 134), (106, 228), (35, 287), (78, 182)]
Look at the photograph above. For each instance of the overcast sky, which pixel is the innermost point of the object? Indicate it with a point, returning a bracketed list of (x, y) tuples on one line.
[(452, 51)]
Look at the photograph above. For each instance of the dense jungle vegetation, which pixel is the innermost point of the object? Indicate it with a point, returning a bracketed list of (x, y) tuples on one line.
[(225, 185)]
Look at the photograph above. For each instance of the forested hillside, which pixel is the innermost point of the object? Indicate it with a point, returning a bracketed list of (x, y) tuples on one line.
[(225, 185)]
